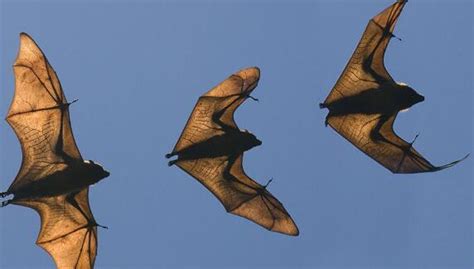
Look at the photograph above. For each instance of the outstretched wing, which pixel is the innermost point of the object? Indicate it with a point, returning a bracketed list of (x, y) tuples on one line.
[(239, 194), (39, 115), (68, 229), (374, 135), (224, 175), (226, 97), (366, 69)]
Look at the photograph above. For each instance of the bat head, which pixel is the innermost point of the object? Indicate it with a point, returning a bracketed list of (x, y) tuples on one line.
[(95, 171), (408, 96), (249, 140)]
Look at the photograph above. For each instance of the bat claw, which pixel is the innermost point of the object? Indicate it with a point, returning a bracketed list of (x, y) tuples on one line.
[(396, 37), (414, 139), (170, 163), (101, 226), (322, 105), (268, 183), (3, 194), (253, 98), (169, 155)]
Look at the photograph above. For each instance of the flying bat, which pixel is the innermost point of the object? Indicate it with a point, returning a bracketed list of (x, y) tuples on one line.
[(211, 149), (53, 179), (365, 101)]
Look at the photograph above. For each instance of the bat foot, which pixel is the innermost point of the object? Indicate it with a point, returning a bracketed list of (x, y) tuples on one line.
[(3, 194), (169, 155), (171, 163), (322, 105), (5, 203)]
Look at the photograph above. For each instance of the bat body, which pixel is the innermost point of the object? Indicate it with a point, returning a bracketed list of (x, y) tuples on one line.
[(365, 101), (53, 178), (211, 149)]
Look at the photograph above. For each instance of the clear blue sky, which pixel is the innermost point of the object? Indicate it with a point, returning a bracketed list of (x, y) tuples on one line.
[(138, 67)]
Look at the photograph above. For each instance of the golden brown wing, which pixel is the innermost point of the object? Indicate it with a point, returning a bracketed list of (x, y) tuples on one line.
[(239, 194), (227, 97), (68, 229), (39, 115), (374, 135), (366, 70)]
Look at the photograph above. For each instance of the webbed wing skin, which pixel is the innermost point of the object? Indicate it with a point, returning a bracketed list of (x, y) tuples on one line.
[(39, 115), (68, 229), (224, 176), (228, 95), (366, 70), (373, 133)]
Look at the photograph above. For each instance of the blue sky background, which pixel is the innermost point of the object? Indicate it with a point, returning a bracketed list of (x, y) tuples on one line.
[(138, 68)]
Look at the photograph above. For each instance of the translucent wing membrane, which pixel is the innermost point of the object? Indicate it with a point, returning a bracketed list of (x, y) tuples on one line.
[(68, 229)]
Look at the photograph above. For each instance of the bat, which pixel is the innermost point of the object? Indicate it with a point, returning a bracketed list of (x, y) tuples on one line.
[(365, 101), (53, 179), (211, 149)]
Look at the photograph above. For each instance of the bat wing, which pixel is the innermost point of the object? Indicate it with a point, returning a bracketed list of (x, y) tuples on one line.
[(374, 135), (68, 229), (39, 115), (366, 69), (225, 97), (239, 194)]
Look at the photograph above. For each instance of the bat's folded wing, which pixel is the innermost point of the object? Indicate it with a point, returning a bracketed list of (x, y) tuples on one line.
[(68, 229), (366, 70), (39, 116), (374, 135), (239, 194)]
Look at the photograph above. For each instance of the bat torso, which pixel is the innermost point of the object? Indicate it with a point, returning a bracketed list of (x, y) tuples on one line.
[(75, 177), (229, 143), (387, 99)]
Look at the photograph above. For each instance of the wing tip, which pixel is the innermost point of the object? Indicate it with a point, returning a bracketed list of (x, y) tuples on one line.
[(389, 15), (27, 43), (244, 80), (288, 227), (250, 74), (442, 167)]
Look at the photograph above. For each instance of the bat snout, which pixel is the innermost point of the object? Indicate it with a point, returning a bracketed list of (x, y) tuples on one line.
[(106, 173)]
